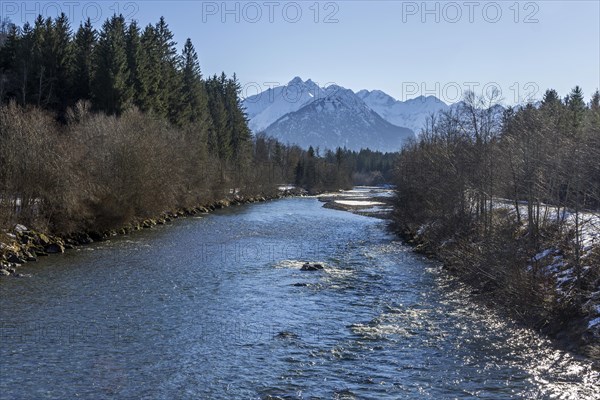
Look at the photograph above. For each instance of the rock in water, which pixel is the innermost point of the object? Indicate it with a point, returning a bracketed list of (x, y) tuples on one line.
[(311, 267), (286, 335)]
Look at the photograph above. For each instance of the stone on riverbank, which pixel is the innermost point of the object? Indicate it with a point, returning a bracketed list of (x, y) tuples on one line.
[(13, 258), (54, 248), (22, 244)]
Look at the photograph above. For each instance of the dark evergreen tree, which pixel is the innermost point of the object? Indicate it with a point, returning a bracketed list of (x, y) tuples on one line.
[(9, 63), (595, 103), (237, 124), (576, 106), (85, 41), (110, 89), (551, 98), (148, 75), (26, 58), (60, 64), (35, 45), (170, 79), (194, 99), (219, 138), (134, 56)]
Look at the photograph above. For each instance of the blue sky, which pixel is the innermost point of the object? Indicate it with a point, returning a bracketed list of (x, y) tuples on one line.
[(405, 48)]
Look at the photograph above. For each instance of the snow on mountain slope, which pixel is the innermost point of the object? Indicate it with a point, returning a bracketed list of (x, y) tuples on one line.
[(339, 119), (411, 114), (267, 107), (301, 112)]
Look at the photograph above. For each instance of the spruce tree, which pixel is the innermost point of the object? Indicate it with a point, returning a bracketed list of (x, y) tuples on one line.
[(219, 139), (148, 77), (237, 124), (8, 64), (85, 41), (170, 79), (194, 101), (595, 103), (25, 60), (134, 55), (61, 64), (37, 82), (576, 106), (110, 90), (551, 98)]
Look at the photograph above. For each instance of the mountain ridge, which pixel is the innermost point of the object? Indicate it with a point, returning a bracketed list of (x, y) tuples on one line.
[(338, 118), (301, 112)]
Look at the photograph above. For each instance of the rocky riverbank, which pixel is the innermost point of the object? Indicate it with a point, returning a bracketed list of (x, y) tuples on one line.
[(20, 244), (553, 301)]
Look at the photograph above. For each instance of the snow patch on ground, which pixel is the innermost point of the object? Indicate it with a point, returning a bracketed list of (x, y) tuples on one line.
[(20, 228), (589, 222), (377, 209), (542, 254), (286, 187), (594, 322), (359, 203)]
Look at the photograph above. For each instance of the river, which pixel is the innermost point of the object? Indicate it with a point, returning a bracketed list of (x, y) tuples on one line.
[(216, 307)]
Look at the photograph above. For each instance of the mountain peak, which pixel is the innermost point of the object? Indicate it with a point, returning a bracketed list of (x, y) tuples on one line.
[(425, 99), (377, 97), (296, 81), (381, 93), (410, 113), (339, 119)]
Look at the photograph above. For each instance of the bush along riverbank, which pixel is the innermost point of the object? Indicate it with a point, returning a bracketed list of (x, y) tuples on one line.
[(545, 290), (509, 199), (21, 244)]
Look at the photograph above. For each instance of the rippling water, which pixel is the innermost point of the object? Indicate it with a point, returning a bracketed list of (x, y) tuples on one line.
[(217, 308)]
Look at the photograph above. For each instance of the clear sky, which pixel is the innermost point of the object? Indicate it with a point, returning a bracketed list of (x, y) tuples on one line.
[(405, 48)]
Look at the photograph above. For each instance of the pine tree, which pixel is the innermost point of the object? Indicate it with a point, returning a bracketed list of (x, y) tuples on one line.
[(25, 59), (61, 64), (85, 41), (576, 106), (595, 103), (194, 100), (40, 49), (148, 76), (110, 90), (134, 55), (170, 79), (237, 123), (8, 63), (551, 98), (219, 139)]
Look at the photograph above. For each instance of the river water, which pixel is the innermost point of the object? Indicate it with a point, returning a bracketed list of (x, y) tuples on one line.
[(218, 308)]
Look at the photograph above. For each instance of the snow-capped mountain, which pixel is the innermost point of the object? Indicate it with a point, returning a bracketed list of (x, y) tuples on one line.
[(301, 112), (267, 107), (338, 118), (411, 114)]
